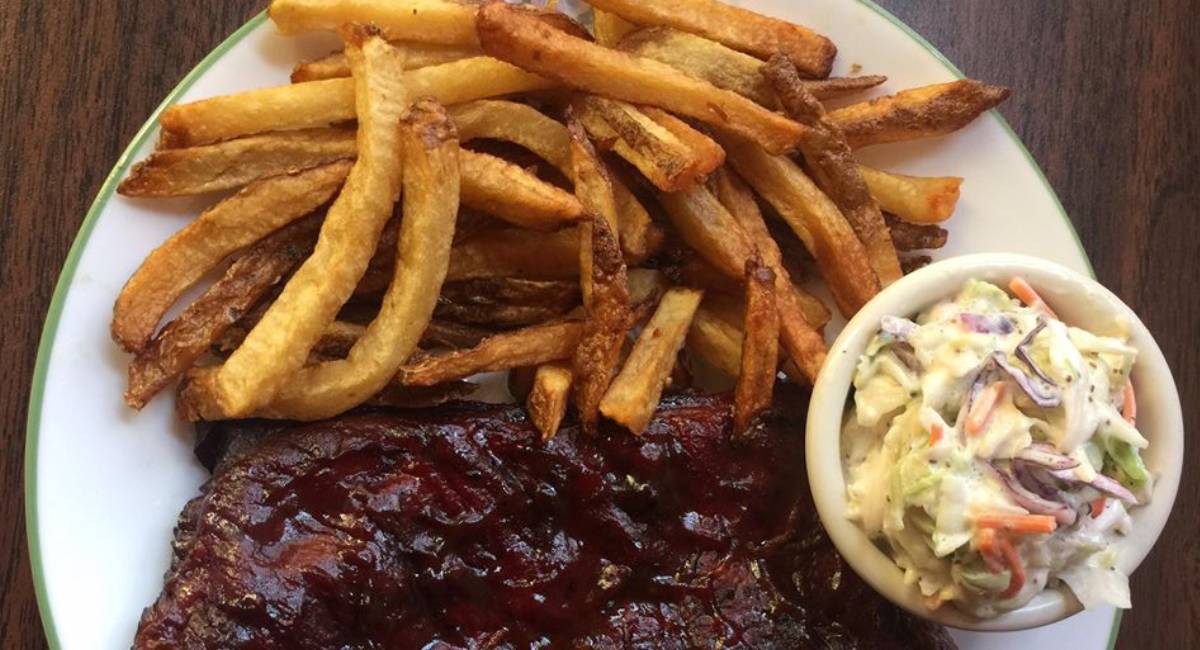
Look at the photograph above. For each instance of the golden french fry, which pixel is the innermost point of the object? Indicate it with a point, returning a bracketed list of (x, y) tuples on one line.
[(594, 189), (917, 113), (223, 229), (801, 314), (430, 190), (185, 339), (503, 189), (707, 154), (915, 199), (417, 55), (834, 169), (760, 348), (716, 341), (706, 226), (727, 68), (509, 34), (428, 21), (640, 237), (330, 101), (840, 255), (529, 346), (738, 28), (279, 344), (610, 28), (547, 400), (233, 164), (518, 253), (633, 395)]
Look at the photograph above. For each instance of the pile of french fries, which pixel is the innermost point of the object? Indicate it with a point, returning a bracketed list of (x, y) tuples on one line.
[(469, 188)]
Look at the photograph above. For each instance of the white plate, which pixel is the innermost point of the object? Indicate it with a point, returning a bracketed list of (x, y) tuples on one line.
[(104, 484)]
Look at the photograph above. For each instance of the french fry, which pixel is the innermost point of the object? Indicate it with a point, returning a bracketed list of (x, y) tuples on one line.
[(727, 68), (840, 255), (917, 113), (633, 395), (829, 157), (223, 229), (236, 163), (706, 226), (800, 313), (664, 158), (509, 34), (502, 189), (518, 253), (915, 199), (715, 341), (453, 335), (910, 236), (760, 348), (547, 400), (610, 28), (417, 55), (603, 281), (430, 191), (428, 21), (507, 301), (244, 283), (645, 285), (738, 28), (279, 344), (529, 346), (330, 101)]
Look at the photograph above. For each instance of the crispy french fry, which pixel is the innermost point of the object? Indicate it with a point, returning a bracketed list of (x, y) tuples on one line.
[(760, 348), (915, 199), (706, 226), (453, 335), (529, 346), (417, 55), (801, 314), (738, 28), (917, 113), (395, 395), (633, 395), (910, 236), (715, 341), (911, 263), (594, 189), (813, 217), (330, 101), (518, 253), (428, 21), (507, 301), (640, 237), (244, 283), (509, 34), (503, 189), (430, 190), (547, 400), (227, 227), (666, 160), (279, 344), (727, 68), (233, 164), (834, 169), (610, 28)]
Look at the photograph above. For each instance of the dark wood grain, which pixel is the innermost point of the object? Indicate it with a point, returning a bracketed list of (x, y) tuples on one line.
[(1105, 94)]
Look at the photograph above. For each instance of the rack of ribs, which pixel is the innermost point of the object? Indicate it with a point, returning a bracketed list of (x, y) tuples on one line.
[(456, 527)]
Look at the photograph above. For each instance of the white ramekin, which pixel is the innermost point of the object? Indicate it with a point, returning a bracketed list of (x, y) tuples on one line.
[(1078, 300)]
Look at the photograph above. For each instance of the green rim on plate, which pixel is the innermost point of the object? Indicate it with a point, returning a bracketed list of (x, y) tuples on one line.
[(70, 265)]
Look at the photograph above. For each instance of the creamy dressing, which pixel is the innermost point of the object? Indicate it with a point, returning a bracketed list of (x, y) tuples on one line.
[(988, 454)]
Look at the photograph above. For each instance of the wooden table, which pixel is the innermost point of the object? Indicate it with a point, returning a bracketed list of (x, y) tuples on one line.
[(1105, 95)]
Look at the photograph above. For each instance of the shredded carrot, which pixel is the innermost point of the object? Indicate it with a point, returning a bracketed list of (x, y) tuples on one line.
[(1026, 294), (1002, 521), (985, 543), (1014, 564), (1098, 506), (984, 406), (935, 433), (1129, 404)]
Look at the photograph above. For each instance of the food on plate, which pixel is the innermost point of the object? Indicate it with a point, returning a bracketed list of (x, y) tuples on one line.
[(634, 393), (917, 113), (429, 21), (760, 348), (716, 341), (528, 346), (416, 55), (708, 228), (503, 189), (548, 398), (828, 155), (507, 301), (994, 450), (740, 29), (458, 527), (912, 236), (914, 199), (230, 225), (511, 35)]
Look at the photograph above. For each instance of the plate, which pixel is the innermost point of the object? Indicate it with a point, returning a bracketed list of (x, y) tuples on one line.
[(104, 484)]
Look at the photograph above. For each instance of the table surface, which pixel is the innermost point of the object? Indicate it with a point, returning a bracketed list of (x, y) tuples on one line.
[(1104, 96)]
